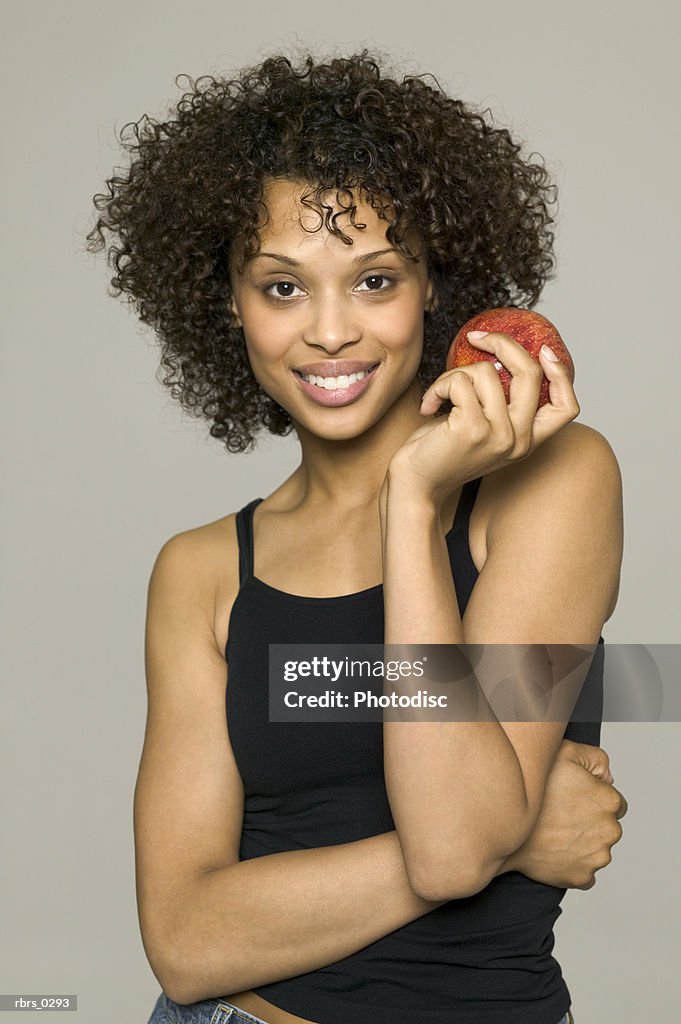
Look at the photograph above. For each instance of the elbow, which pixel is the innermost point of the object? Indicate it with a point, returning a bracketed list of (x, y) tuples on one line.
[(182, 992), (440, 868), (177, 966), (178, 980), (185, 988), (438, 887), (439, 872), (176, 994), (180, 983), (163, 965), (459, 877), (186, 981)]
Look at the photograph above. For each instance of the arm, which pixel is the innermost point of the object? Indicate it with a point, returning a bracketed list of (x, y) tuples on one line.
[(289, 913), (210, 924), (483, 782)]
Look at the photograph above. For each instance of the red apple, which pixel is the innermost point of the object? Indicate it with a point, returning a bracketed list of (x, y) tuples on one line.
[(530, 329)]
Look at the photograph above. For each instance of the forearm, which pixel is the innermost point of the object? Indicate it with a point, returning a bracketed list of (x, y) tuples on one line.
[(284, 914), (462, 775)]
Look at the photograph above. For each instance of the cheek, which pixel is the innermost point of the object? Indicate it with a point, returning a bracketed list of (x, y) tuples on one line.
[(406, 327), (265, 334), (266, 348)]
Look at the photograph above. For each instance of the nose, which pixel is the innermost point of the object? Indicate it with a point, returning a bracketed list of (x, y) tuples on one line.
[(332, 322)]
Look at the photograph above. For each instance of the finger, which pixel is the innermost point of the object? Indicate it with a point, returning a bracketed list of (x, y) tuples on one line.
[(489, 419), (604, 775), (562, 406), (619, 832), (597, 761), (592, 759), (434, 395), (526, 379), (455, 386), (623, 805), (490, 392)]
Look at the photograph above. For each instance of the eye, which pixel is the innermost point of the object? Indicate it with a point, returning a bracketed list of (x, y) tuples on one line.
[(376, 282), (282, 290)]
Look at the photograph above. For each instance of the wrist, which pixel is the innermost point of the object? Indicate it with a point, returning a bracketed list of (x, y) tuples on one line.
[(402, 491), (405, 507), (407, 485)]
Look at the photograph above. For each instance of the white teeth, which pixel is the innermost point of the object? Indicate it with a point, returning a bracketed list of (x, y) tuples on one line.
[(334, 383)]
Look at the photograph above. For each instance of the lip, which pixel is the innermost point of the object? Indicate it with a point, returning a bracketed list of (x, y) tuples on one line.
[(338, 396)]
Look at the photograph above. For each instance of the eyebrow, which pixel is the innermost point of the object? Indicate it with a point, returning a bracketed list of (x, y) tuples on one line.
[(366, 257)]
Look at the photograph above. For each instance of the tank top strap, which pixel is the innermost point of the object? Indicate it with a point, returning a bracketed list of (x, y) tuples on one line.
[(469, 493), (244, 533)]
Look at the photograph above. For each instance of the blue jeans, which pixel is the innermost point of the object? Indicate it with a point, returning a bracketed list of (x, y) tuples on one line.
[(208, 1011), (219, 1011)]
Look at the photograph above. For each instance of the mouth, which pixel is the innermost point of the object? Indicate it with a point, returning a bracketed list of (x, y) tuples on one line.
[(335, 391)]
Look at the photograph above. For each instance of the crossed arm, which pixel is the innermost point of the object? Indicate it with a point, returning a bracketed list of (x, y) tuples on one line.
[(550, 578), (212, 925)]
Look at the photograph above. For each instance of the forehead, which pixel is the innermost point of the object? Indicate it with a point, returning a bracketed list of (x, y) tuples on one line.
[(289, 218)]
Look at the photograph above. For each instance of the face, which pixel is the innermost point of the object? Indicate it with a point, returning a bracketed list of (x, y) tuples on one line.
[(334, 332)]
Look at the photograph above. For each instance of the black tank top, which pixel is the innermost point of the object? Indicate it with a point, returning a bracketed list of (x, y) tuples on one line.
[(485, 959)]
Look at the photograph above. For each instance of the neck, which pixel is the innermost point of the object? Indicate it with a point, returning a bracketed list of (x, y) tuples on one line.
[(351, 473)]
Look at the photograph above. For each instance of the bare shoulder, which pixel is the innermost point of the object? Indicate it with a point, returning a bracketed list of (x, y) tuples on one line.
[(577, 448), (555, 529), (577, 456), (202, 564)]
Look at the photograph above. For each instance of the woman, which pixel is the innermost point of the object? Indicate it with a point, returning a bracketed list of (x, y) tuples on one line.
[(306, 241)]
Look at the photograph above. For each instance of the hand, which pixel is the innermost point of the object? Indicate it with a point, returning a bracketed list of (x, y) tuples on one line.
[(482, 433), (578, 821)]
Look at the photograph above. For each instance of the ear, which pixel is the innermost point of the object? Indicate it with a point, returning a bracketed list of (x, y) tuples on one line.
[(431, 297), (234, 312)]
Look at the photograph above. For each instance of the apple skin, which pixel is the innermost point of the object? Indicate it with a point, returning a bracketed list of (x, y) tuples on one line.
[(530, 329)]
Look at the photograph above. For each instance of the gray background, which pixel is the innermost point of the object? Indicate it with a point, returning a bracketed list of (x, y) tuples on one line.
[(100, 467)]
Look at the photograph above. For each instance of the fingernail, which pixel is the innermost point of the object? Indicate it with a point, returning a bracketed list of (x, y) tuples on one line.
[(549, 354), (476, 335)]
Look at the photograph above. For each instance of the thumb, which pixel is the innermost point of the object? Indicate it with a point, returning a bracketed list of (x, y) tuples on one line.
[(593, 759), (598, 763)]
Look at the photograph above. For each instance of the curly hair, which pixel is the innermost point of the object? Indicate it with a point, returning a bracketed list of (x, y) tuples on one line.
[(194, 188)]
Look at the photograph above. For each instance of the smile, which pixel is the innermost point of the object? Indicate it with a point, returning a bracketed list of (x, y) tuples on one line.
[(334, 391)]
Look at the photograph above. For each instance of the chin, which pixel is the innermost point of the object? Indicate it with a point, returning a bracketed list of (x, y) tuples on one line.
[(346, 431)]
